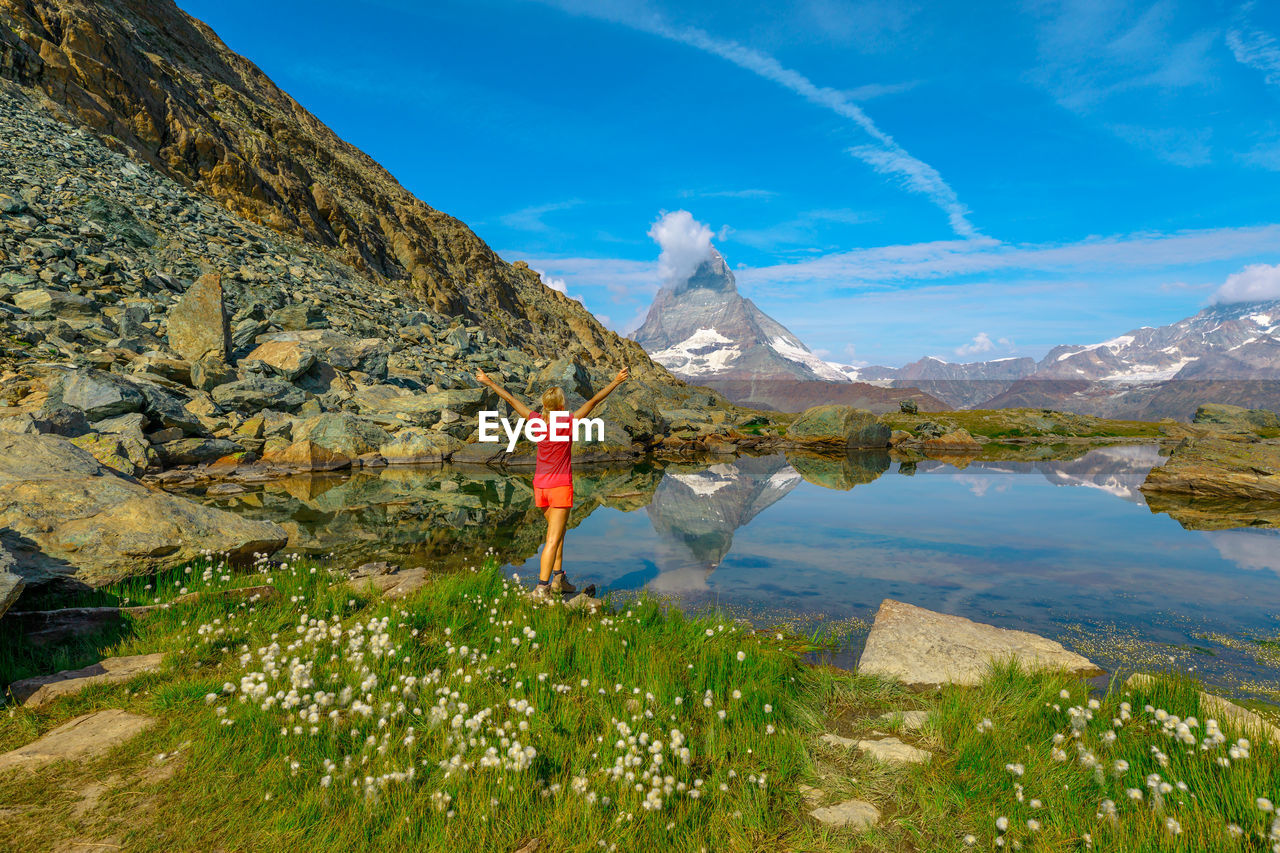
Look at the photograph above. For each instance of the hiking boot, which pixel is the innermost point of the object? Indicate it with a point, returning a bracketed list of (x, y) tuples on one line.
[(560, 584), (541, 592)]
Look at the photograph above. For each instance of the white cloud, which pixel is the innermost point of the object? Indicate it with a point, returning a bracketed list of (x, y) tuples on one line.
[(685, 243), (1255, 48), (981, 343), (884, 154), (1254, 283)]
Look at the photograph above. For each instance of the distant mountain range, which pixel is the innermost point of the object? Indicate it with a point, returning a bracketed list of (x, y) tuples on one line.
[(705, 331)]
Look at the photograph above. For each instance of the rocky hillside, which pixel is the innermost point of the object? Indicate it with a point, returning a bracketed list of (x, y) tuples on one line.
[(160, 86), (171, 339), (703, 329)]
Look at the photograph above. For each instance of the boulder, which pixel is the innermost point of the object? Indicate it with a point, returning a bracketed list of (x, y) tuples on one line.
[(838, 426), (922, 648), (110, 450), (68, 516), (169, 411), (306, 456), (210, 372), (79, 740), (342, 432), (53, 304), (1215, 469), (289, 359), (101, 395), (43, 689), (253, 395), (1237, 416), (11, 585), (851, 814), (195, 451), (61, 419), (956, 441), (417, 446), (131, 424), (198, 324), (568, 375)]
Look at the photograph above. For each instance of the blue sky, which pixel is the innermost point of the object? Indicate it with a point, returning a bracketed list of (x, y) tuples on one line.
[(888, 179)]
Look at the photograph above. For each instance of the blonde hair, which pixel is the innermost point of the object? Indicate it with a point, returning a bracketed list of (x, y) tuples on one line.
[(553, 400)]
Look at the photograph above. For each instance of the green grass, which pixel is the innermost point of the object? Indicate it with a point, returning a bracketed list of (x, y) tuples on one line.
[(332, 719), (1026, 423)]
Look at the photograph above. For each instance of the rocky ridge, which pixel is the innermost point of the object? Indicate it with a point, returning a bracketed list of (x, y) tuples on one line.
[(173, 341), (161, 86)]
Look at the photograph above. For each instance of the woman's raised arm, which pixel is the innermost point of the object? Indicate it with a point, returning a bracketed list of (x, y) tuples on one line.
[(520, 408)]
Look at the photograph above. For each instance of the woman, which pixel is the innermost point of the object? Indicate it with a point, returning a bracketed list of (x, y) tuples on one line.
[(553, 476)]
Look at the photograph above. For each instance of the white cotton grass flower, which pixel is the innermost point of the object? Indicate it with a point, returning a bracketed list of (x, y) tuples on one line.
[(742, 656), (1002, 823)]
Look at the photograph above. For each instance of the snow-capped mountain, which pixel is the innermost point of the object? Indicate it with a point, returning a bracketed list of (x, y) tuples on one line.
[(1152, 371), (704, 329)]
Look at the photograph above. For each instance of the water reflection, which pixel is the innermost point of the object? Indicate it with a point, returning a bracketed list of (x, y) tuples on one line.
[(1066, 547)]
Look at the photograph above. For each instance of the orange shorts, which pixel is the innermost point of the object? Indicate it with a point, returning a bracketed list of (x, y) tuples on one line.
[(558, 496)]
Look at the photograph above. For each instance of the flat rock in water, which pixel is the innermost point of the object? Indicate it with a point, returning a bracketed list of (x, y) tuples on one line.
[(851, 814), (922, 648), (80, 739), (43, 689)]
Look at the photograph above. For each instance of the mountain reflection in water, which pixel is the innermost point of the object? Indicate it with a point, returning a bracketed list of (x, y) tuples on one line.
[(1038, 544)]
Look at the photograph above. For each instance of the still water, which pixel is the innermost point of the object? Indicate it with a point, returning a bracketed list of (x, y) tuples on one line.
[(1065, 548)]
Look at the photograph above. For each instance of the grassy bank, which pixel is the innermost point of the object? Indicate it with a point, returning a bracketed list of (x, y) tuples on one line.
[(467, 717)]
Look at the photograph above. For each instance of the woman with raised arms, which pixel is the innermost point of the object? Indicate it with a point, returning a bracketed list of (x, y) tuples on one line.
[(553, 475)]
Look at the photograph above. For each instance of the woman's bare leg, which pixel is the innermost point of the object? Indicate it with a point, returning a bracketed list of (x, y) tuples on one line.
[(557, 518)]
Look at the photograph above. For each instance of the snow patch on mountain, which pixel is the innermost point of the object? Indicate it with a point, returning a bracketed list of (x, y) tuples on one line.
[(795, 351)]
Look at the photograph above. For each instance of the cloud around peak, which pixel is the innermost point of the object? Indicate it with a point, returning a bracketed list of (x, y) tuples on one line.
[(1254, 283), (685, 243)]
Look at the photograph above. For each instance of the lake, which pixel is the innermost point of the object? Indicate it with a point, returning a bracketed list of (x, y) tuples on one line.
[(1064, 547)]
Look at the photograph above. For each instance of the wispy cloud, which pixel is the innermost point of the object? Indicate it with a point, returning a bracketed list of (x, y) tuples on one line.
[(743, 194), (883, 153), (958, 258), (531, 218), (1254, 47)]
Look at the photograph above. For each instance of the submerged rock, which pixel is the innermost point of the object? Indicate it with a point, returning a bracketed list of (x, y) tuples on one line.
[(68, 516), (922, 648)]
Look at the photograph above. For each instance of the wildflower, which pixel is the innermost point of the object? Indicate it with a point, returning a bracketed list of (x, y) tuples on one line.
[(1002, 823), (742, 656), (768, 709), (1172, 826), (1033, 825), (1265, 805)]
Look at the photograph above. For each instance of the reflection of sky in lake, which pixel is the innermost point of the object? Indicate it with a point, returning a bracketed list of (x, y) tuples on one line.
[(1039, 546)]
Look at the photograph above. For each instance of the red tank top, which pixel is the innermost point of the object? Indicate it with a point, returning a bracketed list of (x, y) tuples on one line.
[(555, 455)]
